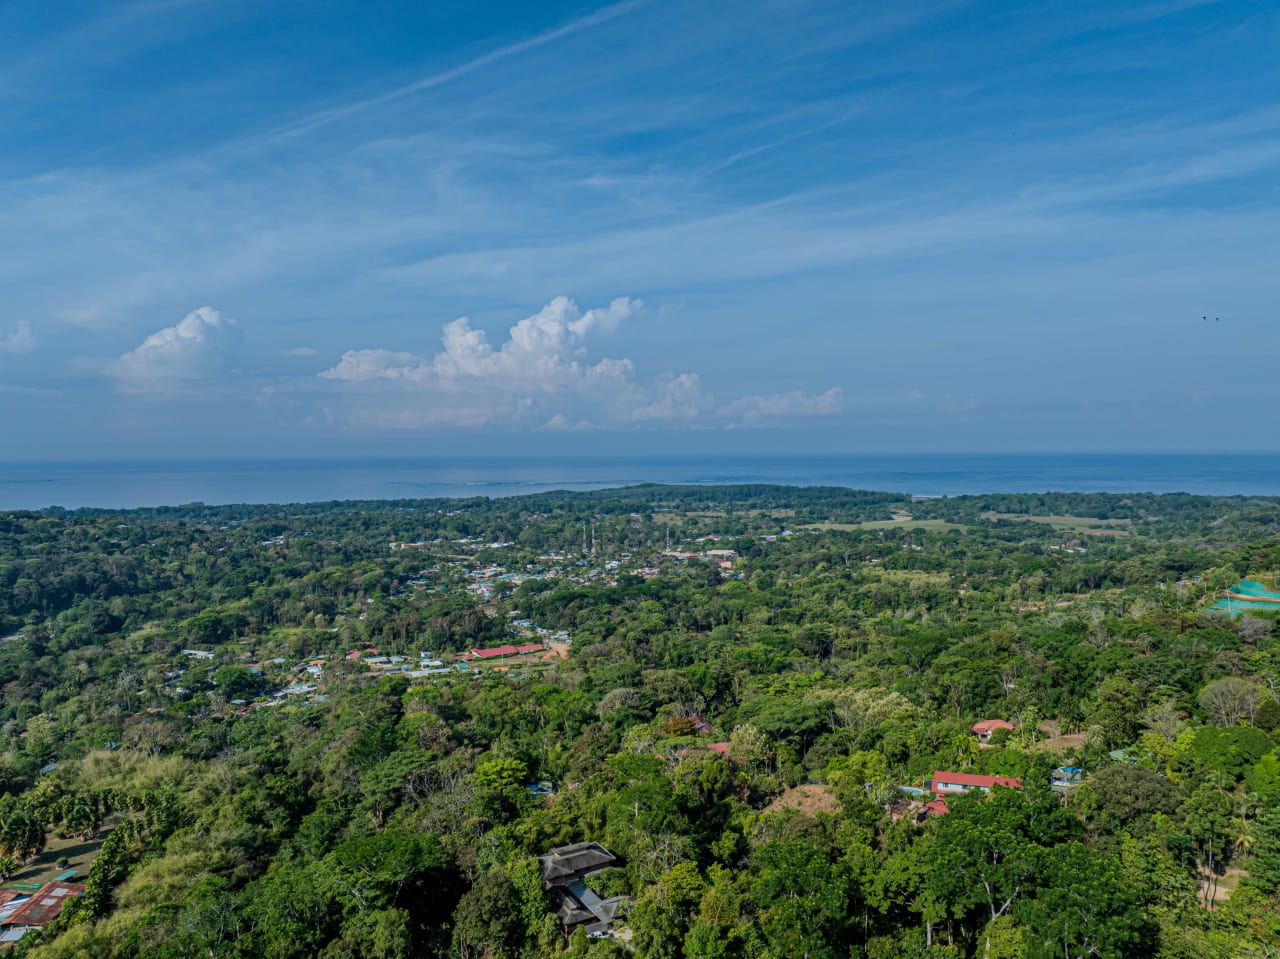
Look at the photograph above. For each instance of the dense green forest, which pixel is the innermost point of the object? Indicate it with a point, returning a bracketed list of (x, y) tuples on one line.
[(349, 730)]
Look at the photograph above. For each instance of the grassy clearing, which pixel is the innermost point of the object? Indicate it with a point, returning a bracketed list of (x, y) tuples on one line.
[(809, 799), (44, 868), (939, 525), (1063, 522), (1227, 884)]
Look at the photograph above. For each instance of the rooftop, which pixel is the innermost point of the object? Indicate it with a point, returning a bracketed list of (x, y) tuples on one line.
[(941, 780), (44, 906), (990, 725), (568, 863)]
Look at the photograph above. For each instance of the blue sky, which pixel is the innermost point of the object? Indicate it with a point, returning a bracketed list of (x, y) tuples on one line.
[(309, 228)]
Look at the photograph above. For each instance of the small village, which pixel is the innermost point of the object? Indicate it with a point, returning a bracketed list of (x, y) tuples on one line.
[(533, 648)]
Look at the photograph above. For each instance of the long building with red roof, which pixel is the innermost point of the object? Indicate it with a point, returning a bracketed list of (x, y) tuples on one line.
[(508, 650), (945, 783)]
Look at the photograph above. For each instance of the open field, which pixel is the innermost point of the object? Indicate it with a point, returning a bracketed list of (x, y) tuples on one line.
[(1061, 743), (678, 519), (1091, 525), (1227, 884), (940, 525)]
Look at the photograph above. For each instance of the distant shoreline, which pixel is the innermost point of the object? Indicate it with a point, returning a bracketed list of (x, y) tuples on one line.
[(129, 484)]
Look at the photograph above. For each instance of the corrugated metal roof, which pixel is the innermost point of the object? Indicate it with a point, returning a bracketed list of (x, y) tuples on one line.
[(44, 906)]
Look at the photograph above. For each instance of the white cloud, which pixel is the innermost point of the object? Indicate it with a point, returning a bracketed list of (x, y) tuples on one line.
[(561, 422), (677, 398), (21, 340), (470, 381), (364, 365), (190, 350), (753, 409), (541, 377)]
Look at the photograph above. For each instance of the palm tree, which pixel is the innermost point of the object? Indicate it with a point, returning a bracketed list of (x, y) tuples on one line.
[(21, 835), (1244, 840), (966, 749), (1244, 836), (82, 820)]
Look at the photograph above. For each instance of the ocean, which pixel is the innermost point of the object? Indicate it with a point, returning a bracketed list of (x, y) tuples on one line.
[(119, 485)]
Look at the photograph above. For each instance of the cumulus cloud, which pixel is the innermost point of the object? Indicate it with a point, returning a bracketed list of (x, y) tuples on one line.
[(539, 356), (470, 380), (363, 366), (677, 398), (21, 340), (540, 376), (754, 409), (192, 349)]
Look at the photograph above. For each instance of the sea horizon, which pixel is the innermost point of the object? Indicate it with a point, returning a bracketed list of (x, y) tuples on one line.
[(138, 483)]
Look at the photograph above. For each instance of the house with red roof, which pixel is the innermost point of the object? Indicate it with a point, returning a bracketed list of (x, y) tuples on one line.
[(917, 812), (985, 727), (497, 652), (948, 783)]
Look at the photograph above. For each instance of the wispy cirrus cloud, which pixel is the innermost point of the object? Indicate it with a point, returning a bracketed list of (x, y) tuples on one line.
[(325, 117), (817, 183)]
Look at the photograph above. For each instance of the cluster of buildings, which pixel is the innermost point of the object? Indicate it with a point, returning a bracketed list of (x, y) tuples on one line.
[(486, 582), (946, 783), (942, 785), (525, 627)]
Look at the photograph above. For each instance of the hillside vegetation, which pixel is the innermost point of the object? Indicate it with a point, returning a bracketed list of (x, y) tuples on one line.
[(348, 730)]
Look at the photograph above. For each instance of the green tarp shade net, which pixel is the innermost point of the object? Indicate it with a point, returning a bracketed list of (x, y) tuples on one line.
[(1249, 587)]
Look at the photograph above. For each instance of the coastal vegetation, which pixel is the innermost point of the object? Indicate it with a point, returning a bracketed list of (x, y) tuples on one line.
[(350, 730)]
